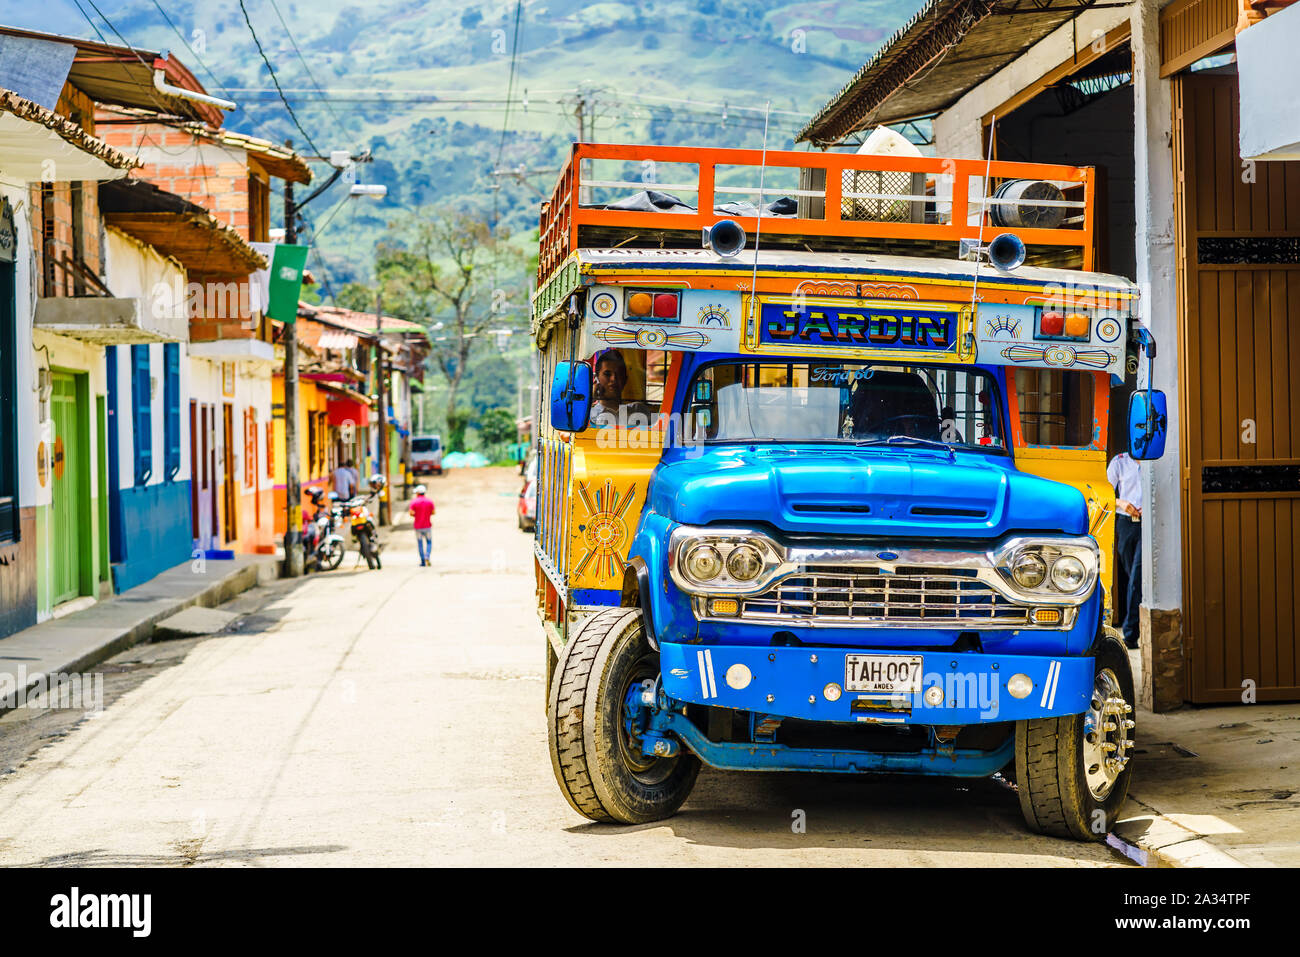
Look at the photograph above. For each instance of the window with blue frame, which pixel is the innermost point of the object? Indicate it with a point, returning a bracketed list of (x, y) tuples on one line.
[(172, 409), (142, 411)]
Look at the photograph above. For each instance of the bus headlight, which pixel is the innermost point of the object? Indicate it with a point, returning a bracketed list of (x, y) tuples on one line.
[(1050, 570), (1028, 570), (744, 564), (1068, 573), (703, 563), (722, 561)]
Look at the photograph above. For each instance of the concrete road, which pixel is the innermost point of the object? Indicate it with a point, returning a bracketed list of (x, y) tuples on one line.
[(396, 717)]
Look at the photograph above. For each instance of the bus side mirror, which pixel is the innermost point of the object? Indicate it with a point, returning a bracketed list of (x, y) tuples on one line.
[(571, 396), (1148, 424)]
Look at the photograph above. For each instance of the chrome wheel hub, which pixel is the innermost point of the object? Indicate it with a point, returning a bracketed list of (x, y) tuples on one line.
[(1107, 728)]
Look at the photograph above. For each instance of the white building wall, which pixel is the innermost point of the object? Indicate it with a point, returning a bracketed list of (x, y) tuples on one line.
[(29, 429), (135, 270), (1162, 554)]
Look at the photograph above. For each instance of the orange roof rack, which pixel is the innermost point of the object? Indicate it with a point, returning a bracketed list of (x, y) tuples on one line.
[(846, 202)]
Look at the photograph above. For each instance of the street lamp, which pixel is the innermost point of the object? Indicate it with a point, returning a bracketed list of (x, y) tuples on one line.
[(293, 556)]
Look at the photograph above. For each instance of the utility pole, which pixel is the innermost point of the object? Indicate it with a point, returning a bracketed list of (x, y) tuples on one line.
[(384, 510), (293, 557)]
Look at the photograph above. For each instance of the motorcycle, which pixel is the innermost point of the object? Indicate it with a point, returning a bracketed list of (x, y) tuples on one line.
[(362, 523), (323, 547)]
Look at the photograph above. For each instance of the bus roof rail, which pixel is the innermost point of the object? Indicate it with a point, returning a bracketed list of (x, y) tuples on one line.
[(662, 196)]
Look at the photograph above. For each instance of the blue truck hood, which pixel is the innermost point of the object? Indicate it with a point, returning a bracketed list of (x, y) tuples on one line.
[(859, 491)]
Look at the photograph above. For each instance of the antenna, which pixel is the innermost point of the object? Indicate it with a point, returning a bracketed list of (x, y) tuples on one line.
[(984, 201), (758, 229)]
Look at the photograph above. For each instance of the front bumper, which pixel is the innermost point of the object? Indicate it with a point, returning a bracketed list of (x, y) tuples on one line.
[(791, 682)]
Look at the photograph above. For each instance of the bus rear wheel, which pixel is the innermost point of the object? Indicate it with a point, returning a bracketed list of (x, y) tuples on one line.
[(599, 767)]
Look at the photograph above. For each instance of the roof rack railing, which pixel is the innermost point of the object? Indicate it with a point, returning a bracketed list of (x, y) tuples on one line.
[(842, 196)]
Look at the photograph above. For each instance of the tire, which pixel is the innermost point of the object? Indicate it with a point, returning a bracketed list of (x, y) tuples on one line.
[(1067, 789), (599, 774), (332, 556), (367, 551)]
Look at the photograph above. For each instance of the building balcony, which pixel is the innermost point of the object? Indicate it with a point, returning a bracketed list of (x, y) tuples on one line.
[(248, 351), (107, 320)]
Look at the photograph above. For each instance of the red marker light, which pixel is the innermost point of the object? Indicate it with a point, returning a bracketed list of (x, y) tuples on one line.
[(1052, 324), (666, 305)]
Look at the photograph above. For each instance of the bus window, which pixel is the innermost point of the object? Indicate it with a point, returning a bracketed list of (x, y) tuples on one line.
[(1056, 407), (628, 387), (852, 402)]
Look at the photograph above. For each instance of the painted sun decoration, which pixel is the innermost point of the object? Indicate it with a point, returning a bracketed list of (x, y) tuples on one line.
[(603, 530)]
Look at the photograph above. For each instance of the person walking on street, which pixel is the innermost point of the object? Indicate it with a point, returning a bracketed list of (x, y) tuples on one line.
[(1123, 474), (422, 509), (345, 480)]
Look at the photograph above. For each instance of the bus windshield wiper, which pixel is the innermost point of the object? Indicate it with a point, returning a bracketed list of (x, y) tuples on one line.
[(899, 440)]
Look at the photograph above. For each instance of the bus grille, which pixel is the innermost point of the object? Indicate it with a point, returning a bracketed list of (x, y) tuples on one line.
[(866, 596)]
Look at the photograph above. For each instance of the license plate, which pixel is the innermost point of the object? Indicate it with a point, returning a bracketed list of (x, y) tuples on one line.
[(883, 674)]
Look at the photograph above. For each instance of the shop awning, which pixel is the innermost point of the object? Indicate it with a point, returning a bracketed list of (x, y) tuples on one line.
[(34, 141), (347, 411), (948, 48)]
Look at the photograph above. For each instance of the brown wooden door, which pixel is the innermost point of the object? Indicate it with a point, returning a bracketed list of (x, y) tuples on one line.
[(210, 470), (230, 490), (195, 487), (1238, 230)]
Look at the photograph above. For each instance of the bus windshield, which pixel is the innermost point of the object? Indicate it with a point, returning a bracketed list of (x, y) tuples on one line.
[(850, 402)]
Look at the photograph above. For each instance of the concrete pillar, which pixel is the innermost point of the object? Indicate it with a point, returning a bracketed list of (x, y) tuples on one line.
[(1162, 649)]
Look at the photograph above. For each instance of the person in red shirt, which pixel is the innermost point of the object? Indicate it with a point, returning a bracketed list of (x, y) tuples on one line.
[(421, 509)]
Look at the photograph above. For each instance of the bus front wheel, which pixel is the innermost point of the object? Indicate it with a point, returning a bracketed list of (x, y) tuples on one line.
[(599, 767), (1073, 772)]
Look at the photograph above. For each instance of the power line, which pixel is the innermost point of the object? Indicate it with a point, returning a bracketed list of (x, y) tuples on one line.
[(226, 91), (510, 81), (317, 231), (274, 79), (379, 95), (301, 58), (162, 107), (505, 119)]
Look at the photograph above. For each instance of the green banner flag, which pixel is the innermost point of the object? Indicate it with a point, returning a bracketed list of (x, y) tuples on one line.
[(287, 265)]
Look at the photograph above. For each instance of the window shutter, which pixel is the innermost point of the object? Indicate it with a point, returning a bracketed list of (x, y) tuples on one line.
[(172, 405), (143, 413)]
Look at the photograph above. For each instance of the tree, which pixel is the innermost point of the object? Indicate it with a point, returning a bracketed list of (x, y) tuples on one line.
[(457, 422), (356, 296), (452, 268), (489, 382), (496, 428)]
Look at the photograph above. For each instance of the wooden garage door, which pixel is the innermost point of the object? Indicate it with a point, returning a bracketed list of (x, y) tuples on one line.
[(1239, 301)]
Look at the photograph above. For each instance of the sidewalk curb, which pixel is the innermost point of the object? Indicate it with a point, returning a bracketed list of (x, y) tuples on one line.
[(238, 580), (1151, 839)]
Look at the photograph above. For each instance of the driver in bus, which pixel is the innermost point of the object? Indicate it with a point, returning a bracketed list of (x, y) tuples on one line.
[(607, 391), (894, 404)]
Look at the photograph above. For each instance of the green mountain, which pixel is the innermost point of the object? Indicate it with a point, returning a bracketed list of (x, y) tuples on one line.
[(423, 84)]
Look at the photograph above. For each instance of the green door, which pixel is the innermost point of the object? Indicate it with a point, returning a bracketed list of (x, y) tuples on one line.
[(66, 466)]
